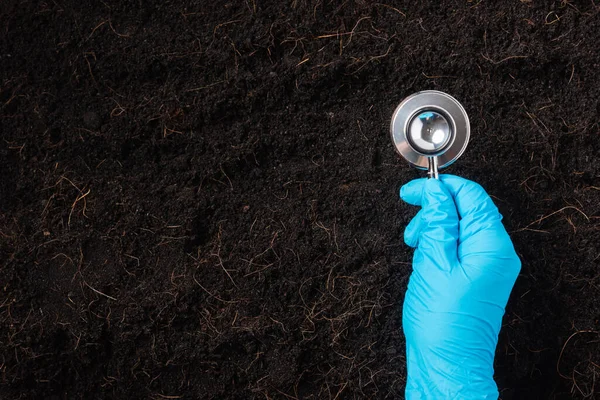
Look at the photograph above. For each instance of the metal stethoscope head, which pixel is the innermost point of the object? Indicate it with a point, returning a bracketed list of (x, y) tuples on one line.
[(431, 130)]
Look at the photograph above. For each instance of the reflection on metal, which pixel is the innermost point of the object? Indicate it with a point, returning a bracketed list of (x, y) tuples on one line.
[(429, 132), (432, 170)]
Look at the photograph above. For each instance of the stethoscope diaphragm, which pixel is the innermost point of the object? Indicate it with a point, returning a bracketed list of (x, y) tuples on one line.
[(430, 129)]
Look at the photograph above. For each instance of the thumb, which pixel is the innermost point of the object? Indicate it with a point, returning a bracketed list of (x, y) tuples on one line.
[(438, 239)]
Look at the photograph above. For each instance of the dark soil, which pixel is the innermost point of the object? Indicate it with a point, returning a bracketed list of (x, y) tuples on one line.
[(199, 199)]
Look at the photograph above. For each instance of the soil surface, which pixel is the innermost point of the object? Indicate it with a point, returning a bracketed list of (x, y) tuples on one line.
[(199, 200)]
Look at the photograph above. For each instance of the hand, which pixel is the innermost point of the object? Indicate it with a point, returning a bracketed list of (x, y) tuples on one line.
[(464, 268)]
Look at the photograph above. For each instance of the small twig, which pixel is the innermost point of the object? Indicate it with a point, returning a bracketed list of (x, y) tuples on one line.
[(533, 119), (303, 61), (572, 72), (229, 180), (168, 131), (80, 197), (99, 292), (224, 269), (336, 35), (286, 395), (353, 29), (436, 76), (563, 349), (204, 87), (212, 295), (504, 59), (97, 26), (556, 18), (551, 214), (89, 65), (113, 29), (341, 390), (223, 24), (391, 8)]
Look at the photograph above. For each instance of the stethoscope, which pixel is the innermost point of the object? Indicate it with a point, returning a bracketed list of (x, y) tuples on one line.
[(431, 130)]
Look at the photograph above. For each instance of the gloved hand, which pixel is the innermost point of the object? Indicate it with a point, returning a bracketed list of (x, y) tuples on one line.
[(464, 268)]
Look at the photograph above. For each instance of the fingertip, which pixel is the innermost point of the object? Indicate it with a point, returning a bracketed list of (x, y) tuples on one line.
[(413, 230), (434, 184), (470, 197), (411, 192), (457, 184), (436, 191)]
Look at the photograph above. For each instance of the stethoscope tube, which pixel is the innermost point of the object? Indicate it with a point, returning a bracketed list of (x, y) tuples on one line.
[(433, 169)]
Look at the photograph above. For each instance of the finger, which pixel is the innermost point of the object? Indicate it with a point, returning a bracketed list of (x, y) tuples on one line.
[(438, 239), (412, 191), (485, 246), (476, 209), (413, 230)]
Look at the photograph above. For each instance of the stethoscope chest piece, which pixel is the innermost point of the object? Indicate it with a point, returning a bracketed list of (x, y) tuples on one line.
[(430, 129)]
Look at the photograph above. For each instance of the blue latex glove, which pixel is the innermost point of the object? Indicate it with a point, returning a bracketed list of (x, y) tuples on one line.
[(464, 268)]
